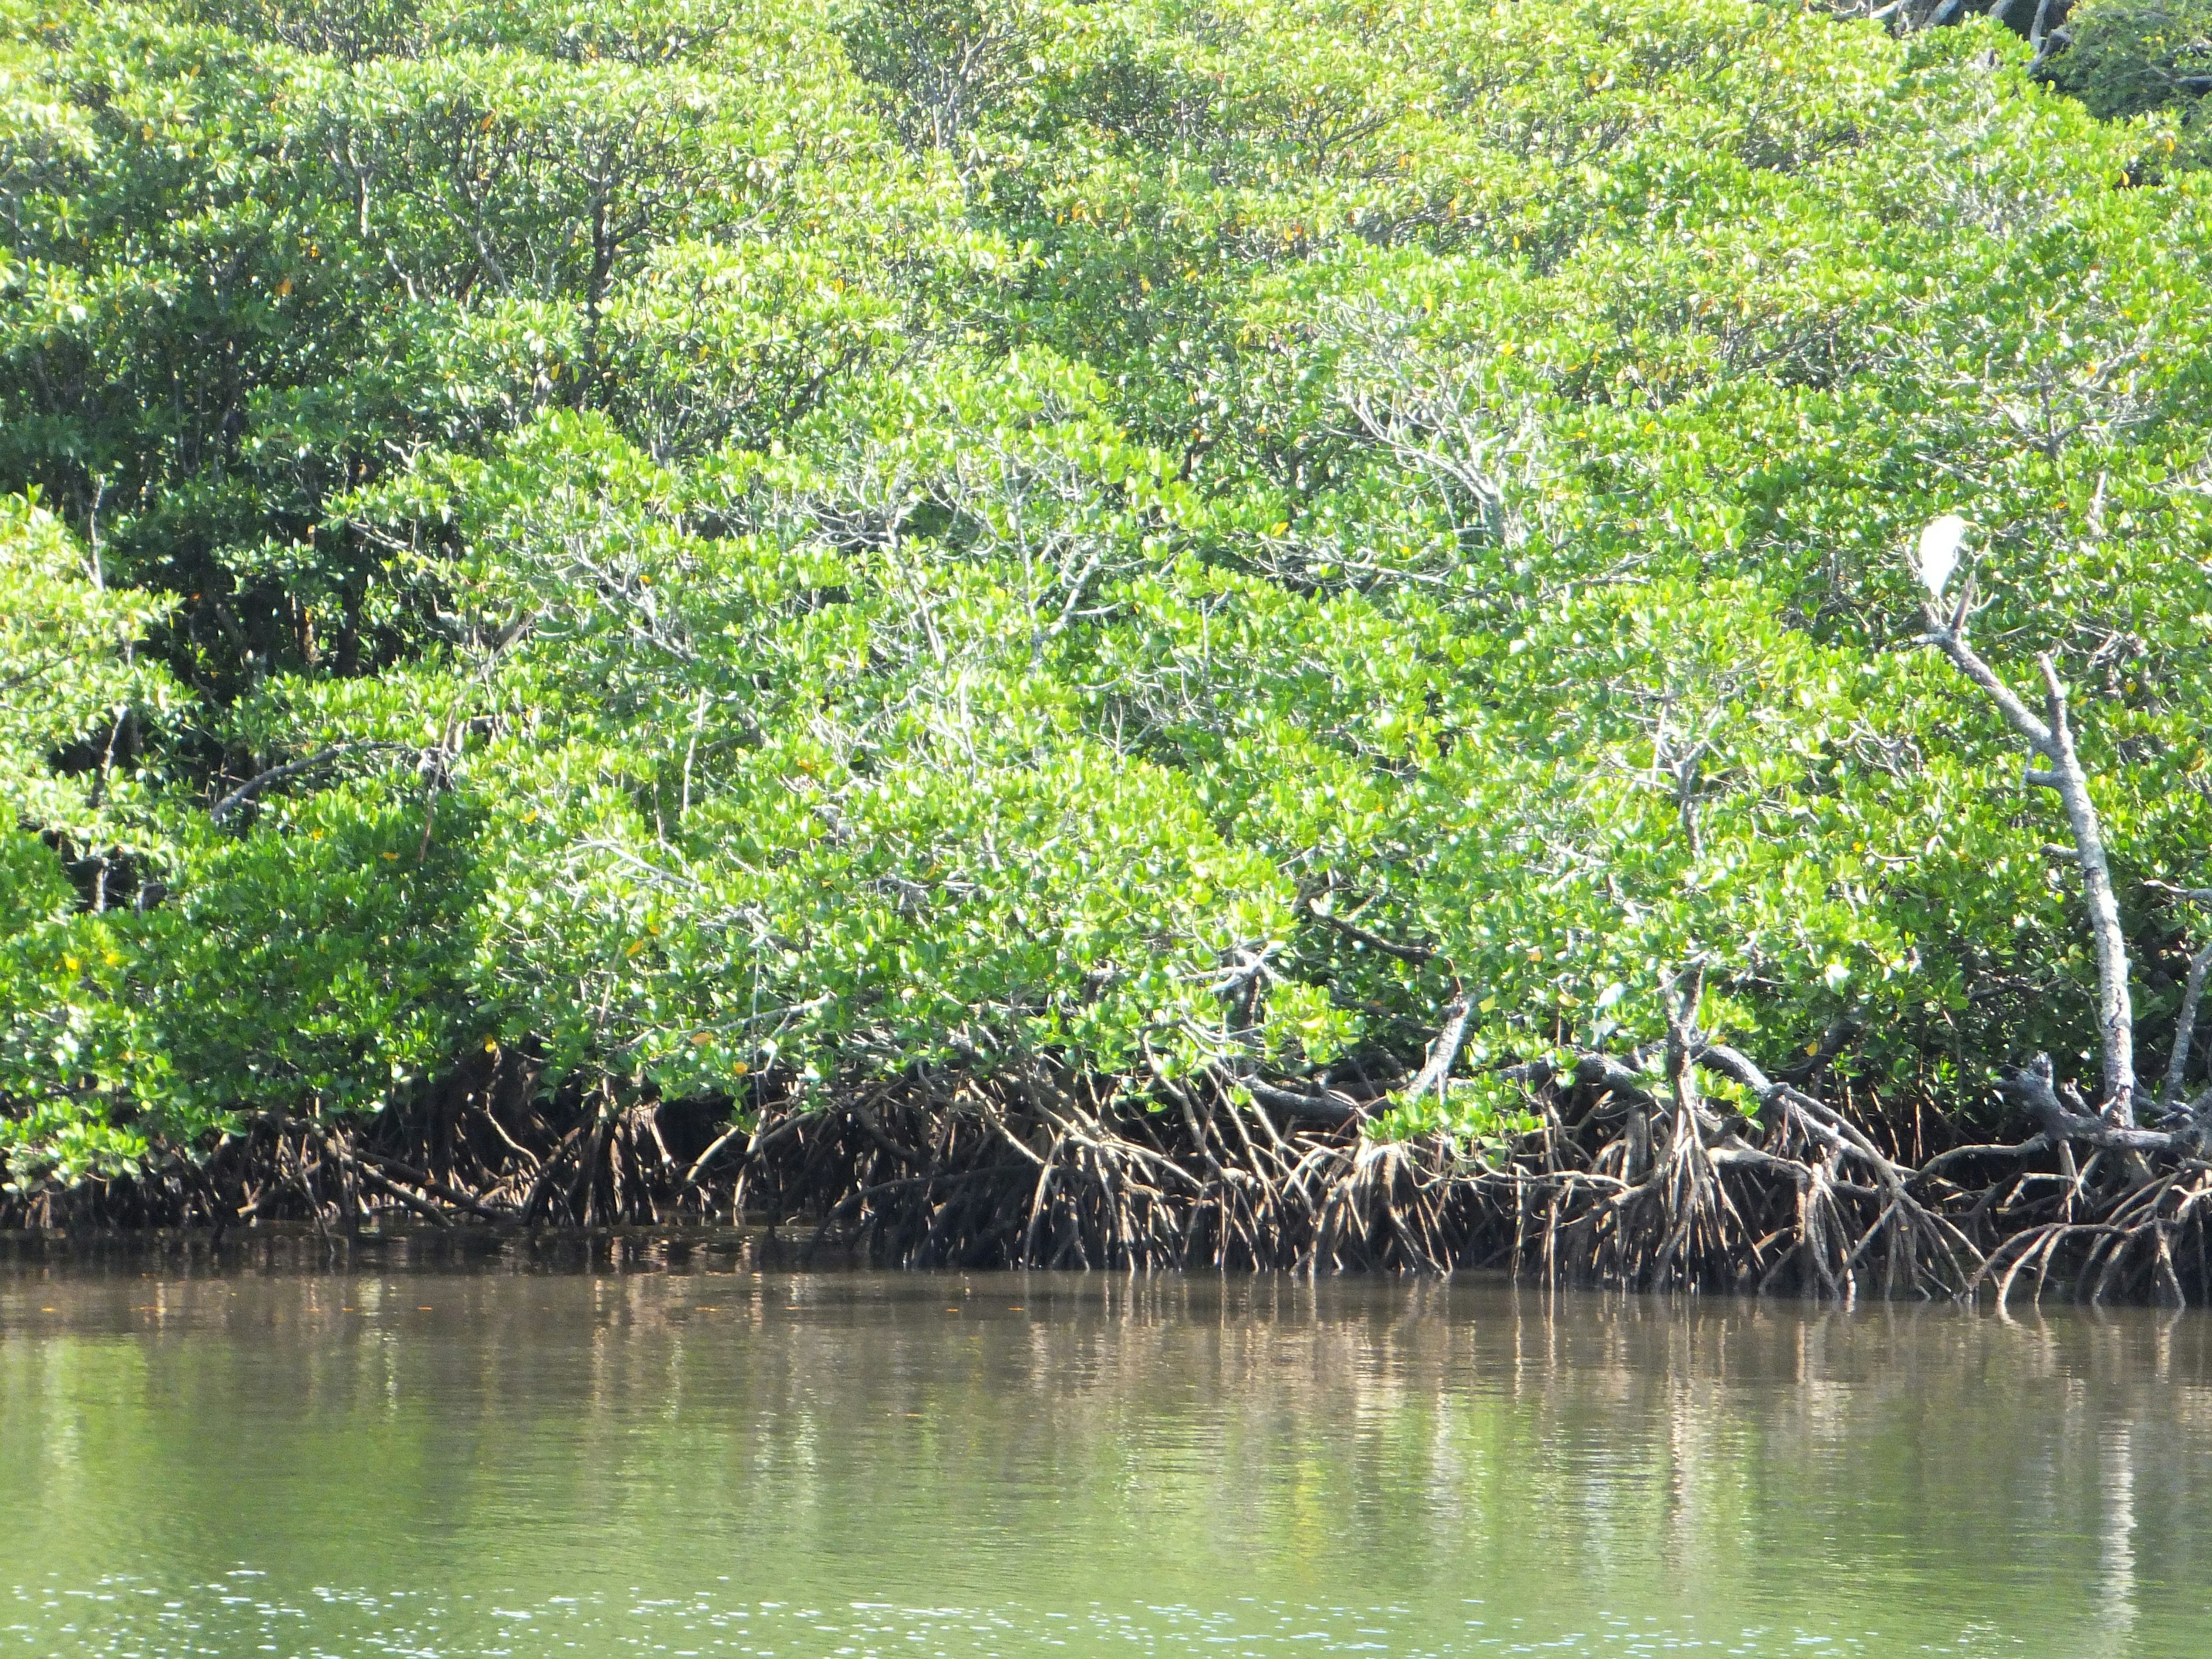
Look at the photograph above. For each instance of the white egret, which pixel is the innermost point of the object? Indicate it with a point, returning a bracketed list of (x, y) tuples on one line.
[(1939, 551)]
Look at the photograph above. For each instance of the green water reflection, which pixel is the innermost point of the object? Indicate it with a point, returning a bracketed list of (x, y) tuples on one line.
[(849, 1464)]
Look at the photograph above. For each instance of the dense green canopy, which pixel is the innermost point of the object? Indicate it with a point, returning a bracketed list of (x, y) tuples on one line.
[(738, 539)]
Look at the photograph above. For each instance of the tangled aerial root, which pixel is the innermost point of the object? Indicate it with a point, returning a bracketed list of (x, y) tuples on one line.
[(2144, 1241), (1629, 1181)]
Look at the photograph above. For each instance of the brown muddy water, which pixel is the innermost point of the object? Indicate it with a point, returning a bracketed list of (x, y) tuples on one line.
[(250, 1459)]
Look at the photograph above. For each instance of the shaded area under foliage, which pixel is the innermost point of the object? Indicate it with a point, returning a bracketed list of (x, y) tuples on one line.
[(1633, 1181)]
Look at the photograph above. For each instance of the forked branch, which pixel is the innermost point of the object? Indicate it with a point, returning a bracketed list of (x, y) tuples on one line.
[(2051, 738)]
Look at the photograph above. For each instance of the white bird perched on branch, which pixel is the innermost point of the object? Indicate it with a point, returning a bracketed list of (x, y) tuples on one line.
[(1939, 551)]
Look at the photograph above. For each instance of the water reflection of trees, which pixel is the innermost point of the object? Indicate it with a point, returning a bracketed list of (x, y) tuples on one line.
[(1727, 1459)]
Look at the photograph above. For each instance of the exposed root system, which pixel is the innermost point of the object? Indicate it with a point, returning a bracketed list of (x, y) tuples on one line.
[(1631, 1181)]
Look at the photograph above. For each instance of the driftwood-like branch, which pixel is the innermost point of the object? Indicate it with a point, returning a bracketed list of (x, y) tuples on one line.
[(421, 1206), (1335, 1109), (275, 775), (1825, 1052), (2198, 893), (1603, 1072), (378, 1163), (2035, 1142), (2184, 1029), (2051, 738), (1416, 954), (1831, 1126), (1444, 1053), (1300, 1107), (2039, 39), (714, 1149), (2030, 1088)]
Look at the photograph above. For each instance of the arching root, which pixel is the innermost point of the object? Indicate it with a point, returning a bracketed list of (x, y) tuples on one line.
[(1631, 1181), (2147, 1241)]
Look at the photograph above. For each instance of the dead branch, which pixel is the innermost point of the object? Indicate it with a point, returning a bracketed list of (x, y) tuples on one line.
[(2051, 738), (253, 786)]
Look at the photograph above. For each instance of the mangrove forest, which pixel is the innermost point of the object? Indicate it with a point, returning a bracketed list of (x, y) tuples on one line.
[(1555, 635)]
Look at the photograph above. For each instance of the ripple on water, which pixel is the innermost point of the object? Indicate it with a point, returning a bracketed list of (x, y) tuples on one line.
[(460, 1466)]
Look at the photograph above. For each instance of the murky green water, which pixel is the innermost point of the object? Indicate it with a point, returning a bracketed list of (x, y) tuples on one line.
[(739, 1463)]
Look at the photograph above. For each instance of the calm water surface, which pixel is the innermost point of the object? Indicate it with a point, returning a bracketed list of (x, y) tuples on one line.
[(765, 1463)]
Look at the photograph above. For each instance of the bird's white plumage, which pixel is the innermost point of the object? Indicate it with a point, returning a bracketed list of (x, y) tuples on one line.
[(1939, 551)]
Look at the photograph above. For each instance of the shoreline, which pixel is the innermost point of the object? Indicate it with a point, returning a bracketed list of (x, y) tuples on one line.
[(1628, 1182)]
